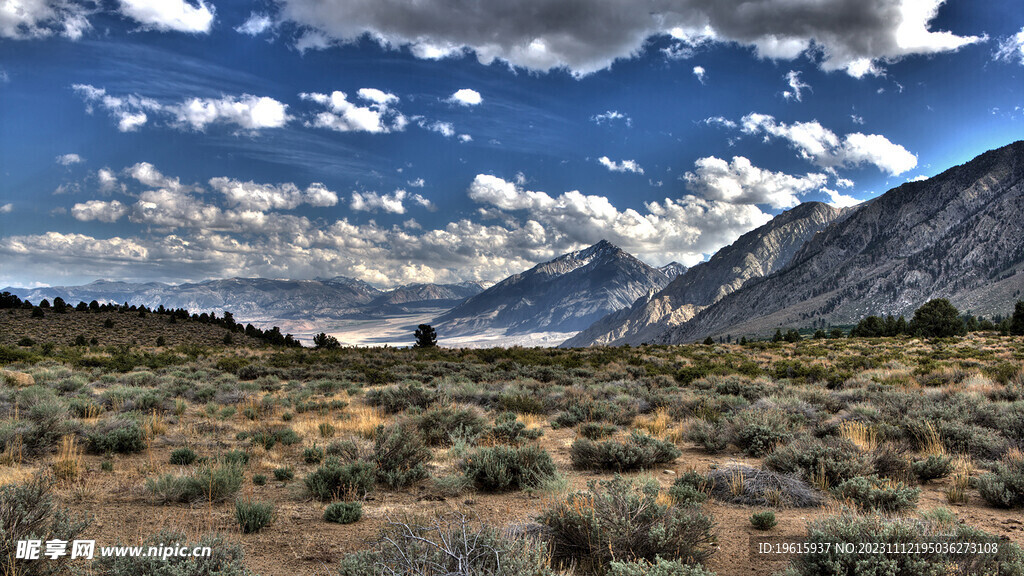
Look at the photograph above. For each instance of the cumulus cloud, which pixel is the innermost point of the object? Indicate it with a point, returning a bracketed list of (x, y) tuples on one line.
[(610, 117), (700, 73), (256, 24), (253, 196), (624, 166), (170, 15), (840, 200), (132, 111), (148, 175), (377, 117), (32, 19), (69, 159), (98, 210), (393, 203), (446, 129), (108, 180), (417, 183), (858, 36), (824, 148), (796, 86), (1011, 49), (6, 208), (740, 182), (466, 97)]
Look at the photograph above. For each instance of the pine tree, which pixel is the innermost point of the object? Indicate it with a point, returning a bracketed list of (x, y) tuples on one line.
[(1017, 323), (426, 337), (937, 318)]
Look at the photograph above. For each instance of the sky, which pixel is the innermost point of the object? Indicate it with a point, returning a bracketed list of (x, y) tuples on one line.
[(453, 140)]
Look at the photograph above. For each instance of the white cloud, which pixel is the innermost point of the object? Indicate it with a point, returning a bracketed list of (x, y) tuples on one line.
[(624, 166), (148, 175), (720, 121), (740, 182), (918, 178), (98, 210), (446, 129), (466, 97), (858, 36), (130, 111), (840, 200), (69, 159), (107, 179), (262, 197), (824, 148), (33, 19), (859, 120), (377, 117), (6, 208), (464, 138), (610, 117), (171, 15), (796, 86), (256, 24), (844, 183), (393, 203), (1011, 49), (700, 73), (417, 183)]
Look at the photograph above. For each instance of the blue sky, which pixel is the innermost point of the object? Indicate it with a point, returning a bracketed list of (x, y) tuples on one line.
[(444, 141)]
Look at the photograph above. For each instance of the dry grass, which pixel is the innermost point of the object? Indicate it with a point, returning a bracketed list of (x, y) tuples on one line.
[(68, 464), (860, 434), (931, 442), (361, 421)]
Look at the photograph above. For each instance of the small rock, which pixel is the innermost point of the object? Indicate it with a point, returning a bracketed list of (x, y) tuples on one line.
[(672, 472)]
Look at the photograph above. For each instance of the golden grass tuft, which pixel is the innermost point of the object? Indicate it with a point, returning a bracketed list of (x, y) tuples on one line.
[(860, 434), (68, 464), (931, 442), (361, 421)]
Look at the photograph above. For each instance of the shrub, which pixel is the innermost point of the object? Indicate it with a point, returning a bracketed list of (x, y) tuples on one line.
[(30, 511), (313, 455), (225, 560), (183, 456), (689, 489), (763, 520), (117, 435), (26, 342), (252, 515), (713, 437), (617, 520), (503, 468), (284, 474), (822, 463), (874, 493), (208, 484), (437, 425), (658, 568), (46, 423), (394, 399), (450, 544), (259, 479), (236, 458), (508, 430), (1004, 486), (334, 480), (758, 432), (638, 452), (343, 512), (401, 455), (596, 430), (937, 319), (873, 530), (740, 484), (933, 467)]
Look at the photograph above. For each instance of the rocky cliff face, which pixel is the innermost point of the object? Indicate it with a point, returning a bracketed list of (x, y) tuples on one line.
[(959, 235), (755, 254), (564, 295)]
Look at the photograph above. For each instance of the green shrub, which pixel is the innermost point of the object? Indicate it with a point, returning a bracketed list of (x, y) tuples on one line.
[(438, 425), (502, 468), (252, 515), (394, 399), (225, 559), (508, 430), (313, 455), (122, 436), (638, 452), (856, 530), (334, 480), (30, 511), (596, 430), (712, 436), (343, 512), (400, 455), (269, 438), (874, 493), (208, 484), (689, 489), (821, 462), (183, 456), (757, 433), (617, 520), (933, 467), (1004, 486), (259, 479), (236, 458), (658, 568), (448, 545), (284, 474), (763, 520)]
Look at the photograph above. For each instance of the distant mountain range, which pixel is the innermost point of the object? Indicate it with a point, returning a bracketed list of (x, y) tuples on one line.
[(566, 294)]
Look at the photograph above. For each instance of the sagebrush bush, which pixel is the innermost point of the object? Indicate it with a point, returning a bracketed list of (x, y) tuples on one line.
[(1004, 486), (503, 468), (821, 462), (659, 567), (438, 425), (122, 436), (758, 432), (764, 520), (871, 530), (400, 455), (394, 399), (312, 455), (596, 430), (616, 520), (208, 484), (343, 512), (252, 515), (450, 544), (689, 489), (284, 474), (30, 511), (508, 430), (712, 436), (933, 467), (637, 452), (183, 456), (334, 480), (874, 493), (226, 558)]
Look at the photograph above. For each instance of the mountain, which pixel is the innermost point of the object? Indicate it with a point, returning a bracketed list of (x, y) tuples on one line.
[(959, 235), (564, 295), (672, 270), (755, 254), (415, 293)]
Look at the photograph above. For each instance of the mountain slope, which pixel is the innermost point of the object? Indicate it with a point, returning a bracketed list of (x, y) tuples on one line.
[(564, 295), (755, 254), (959, 236)]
